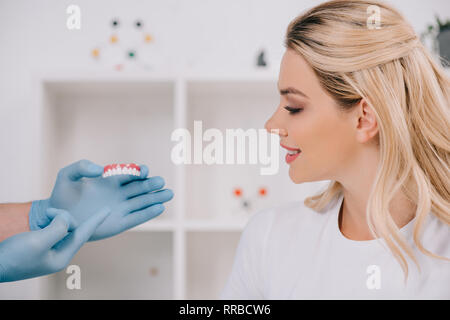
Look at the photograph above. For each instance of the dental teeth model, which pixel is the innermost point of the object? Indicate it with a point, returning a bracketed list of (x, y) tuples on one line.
[(123, 168)]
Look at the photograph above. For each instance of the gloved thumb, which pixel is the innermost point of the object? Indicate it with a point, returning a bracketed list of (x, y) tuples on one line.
[(80, 235), (57, 229), (80, 169), (51, 213)]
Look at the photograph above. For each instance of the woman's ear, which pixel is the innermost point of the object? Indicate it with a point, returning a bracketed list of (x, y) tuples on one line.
[(367, 125)]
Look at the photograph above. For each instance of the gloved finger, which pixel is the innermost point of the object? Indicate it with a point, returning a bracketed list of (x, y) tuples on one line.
[(136, 218), (51, 213), (72, 243), (127, 178), (148, 199), (55, 231), (80, 169), (139, 187)]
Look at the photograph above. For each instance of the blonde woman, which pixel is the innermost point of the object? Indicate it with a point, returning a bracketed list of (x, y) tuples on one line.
[(368, 109)]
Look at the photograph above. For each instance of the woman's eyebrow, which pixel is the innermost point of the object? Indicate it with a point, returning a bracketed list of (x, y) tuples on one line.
[(291, 90)]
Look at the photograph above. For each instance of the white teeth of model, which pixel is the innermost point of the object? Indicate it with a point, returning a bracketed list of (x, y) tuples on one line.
[(293, 152), (133, 171)]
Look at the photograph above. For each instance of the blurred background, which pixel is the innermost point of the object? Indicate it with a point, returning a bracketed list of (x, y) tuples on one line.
[(114, 89)]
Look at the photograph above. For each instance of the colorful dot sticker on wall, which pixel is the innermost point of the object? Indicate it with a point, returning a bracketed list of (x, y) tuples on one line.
[(123, 38), (115, 23), (138, 24), (95, 53), (262, 191), (237, 192), (131, 54), (248, 201)]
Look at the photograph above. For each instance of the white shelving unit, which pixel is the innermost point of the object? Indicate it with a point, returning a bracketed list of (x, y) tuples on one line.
[(188, 251)]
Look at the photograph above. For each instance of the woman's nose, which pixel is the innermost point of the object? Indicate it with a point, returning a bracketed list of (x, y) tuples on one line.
[(271, 127)]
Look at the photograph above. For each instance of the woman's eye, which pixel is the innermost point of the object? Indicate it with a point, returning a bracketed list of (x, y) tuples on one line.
[(293, 110)]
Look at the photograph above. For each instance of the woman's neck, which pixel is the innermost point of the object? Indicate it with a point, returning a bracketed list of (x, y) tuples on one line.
[(352, 216)]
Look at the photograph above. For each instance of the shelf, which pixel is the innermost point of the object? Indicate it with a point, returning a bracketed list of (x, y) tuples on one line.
[(206, 269), (128, 266), (238, 104), (166, 225), (200, 225), (108, 122), (251, 75), (104, 88), (217, 225)]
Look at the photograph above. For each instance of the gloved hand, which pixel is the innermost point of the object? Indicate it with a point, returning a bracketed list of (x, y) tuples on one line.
[(133, 200), (37, 253)]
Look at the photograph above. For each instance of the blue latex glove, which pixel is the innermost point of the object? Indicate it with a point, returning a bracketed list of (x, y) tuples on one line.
[(133, 200), (37, 253)]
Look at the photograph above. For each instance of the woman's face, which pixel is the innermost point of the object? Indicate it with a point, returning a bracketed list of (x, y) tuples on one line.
[(309, 120)]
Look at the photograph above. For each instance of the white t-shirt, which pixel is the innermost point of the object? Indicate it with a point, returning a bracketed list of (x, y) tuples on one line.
[(293, 252)]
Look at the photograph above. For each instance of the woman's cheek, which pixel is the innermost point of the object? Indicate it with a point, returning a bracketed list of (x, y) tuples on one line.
[(323, 148)]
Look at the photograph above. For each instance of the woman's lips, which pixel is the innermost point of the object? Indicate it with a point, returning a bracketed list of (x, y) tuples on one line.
[(289, 156), (289, 148)]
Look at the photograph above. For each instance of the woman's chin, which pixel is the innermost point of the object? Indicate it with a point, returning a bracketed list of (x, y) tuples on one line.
[(295, 177), (298, 177)]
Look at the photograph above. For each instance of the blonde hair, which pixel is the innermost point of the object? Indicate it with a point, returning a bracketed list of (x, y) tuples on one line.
[(409, 93)]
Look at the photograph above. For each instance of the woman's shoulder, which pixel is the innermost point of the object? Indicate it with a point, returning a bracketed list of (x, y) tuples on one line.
[(436, 235), (292, 216)]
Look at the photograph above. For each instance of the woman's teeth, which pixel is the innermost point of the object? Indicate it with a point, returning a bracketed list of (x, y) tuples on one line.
[(293, 151)]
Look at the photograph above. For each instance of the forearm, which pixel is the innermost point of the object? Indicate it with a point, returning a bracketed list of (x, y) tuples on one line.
[(14, 219)]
